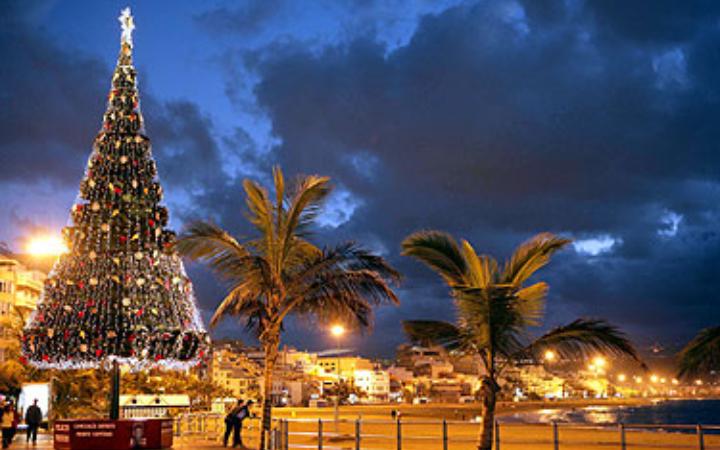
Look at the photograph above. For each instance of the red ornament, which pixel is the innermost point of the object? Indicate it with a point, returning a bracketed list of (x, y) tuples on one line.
[(98, 352), (23, 360), (45, 358), (123, 239), (117, 190), (81, 314), (131, 338), (139, 312), (81, 284), (158, 357)]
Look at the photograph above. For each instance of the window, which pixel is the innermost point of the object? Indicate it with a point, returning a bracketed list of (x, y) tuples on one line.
[(6, 286)]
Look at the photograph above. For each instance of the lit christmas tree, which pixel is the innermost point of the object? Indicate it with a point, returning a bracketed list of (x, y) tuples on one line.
[(120, 294)]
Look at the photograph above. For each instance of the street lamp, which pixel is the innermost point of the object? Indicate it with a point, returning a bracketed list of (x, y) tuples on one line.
[(47, 245), (550, 356), (597, 366), (599, 362)]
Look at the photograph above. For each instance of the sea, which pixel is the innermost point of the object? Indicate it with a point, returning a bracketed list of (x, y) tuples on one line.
[(673, 412)]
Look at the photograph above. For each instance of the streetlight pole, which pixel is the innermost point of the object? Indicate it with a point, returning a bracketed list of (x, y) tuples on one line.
[(337, 331)]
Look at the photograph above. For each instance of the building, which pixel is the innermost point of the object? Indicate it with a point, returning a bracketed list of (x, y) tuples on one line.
[(344, 366), (374, 383), (233, 370), (411, 356), (165, 405), (20, 289)]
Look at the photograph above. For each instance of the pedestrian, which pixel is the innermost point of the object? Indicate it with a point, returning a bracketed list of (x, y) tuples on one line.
[(242, 415), (231, 421), (7, 422), (33, 419), (15, 422)]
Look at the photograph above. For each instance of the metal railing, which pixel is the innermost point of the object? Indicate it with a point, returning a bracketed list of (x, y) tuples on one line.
[(211, 427), (368, 434)]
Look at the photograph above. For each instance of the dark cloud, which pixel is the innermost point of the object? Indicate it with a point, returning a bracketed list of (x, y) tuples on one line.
[(494, 125), (654, 22), (46, 120)]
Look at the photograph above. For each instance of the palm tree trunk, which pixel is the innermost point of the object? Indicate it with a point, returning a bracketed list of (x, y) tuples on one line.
[(271, 352), (490, 389)]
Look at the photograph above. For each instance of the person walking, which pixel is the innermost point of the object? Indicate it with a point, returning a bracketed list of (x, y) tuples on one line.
[(241, 416), (7, 423), (33, 419), (15, 422), (231, 420)]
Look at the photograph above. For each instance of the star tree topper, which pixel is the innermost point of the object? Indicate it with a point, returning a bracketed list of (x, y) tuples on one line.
[(128, 25)]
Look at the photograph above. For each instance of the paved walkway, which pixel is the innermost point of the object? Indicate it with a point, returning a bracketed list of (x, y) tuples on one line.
[(45, 443)]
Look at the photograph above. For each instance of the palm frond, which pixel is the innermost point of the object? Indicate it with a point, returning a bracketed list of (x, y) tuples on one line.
[(261, 214), (531, 256), (702, 354), (440, 252), (530, 303), (305, 204), (433, 332), (346, 295), (243, 301), (482, 270), (585, 337), (204, 241), (310, 193)]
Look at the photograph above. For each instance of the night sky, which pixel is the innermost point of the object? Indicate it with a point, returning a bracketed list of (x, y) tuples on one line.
[(493, 120)]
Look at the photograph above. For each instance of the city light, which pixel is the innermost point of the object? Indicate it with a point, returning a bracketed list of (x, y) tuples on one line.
[(550, 356), (599, 362), (46, 246), (621, 378), (337, 330), (638, 380), (654, 378), (699, 382)]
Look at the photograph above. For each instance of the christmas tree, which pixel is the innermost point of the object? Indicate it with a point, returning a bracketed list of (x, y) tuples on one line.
[(120, 293)]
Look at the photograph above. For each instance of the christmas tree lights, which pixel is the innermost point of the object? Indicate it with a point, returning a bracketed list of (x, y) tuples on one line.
[(120, 292)]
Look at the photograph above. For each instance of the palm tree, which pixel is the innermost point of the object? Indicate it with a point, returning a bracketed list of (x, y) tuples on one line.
[(280, 272), (702, 354), (495, 308)]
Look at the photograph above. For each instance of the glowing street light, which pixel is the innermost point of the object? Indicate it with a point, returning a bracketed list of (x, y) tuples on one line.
[(549, 356), (654, 378), (337, 330), (638, 380), (599, 362), (46, 246), (621, 378)]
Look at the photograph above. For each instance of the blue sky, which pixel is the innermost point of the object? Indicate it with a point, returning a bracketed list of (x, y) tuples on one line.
[(491, 120)]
